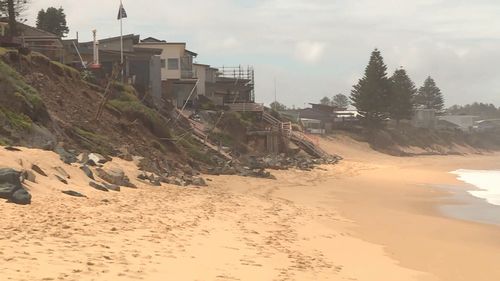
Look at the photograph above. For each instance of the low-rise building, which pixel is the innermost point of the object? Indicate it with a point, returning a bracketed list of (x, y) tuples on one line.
[(464, 122), (177, 75), (35, 39), (141, 66)]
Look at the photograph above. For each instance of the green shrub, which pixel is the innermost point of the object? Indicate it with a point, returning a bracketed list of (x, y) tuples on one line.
[(12, 77), (127, 102), (92, 141), (16, 120)]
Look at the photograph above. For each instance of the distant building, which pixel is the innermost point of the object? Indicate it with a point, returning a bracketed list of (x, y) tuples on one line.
[(36, 39), (491, 125), (322, 119), (464, 122)]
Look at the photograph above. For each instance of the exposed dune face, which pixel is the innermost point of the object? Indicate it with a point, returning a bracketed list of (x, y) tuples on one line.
[(343, 222)]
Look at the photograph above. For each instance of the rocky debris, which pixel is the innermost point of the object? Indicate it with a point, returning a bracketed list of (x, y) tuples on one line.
[(11, 187), (73, 193), (61, 179), (98, 186), (283, 162), (62, 172), (97, 158), (113, 174), (199, 182), (38, 170), (65, 156), (21, 197), (28, 175), (112, 187), (11, 148), (150, 179), (87, 171)]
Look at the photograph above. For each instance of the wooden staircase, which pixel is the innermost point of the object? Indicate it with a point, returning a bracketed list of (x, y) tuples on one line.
[(307, 144), (299, 138), (285, 128)]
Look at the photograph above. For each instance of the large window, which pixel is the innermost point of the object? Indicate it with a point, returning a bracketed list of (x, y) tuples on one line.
[(173, 64)]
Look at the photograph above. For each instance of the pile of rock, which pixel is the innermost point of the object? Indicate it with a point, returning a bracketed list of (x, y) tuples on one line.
[(114, 174), (11, 187), (284, 162)]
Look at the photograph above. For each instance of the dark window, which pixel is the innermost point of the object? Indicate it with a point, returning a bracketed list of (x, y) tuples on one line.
[(173, 64), (163, 63)]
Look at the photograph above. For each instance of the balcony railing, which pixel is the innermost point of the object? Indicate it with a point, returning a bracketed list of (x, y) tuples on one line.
[(187, 74)]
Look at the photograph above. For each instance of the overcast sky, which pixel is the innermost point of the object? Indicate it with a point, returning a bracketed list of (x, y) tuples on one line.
[(317, 48)]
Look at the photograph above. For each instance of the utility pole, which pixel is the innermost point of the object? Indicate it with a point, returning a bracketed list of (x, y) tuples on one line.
[(275, 90), (12, 18)]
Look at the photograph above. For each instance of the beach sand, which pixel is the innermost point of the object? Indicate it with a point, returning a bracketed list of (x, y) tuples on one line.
[(372, 217)]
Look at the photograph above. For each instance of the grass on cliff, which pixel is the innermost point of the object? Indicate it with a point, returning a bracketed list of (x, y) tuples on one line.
[(16, 120), (92, 141), (21, 88), (125, 100)]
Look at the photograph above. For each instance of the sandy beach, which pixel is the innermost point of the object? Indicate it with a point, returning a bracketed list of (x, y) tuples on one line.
[(371, 217)]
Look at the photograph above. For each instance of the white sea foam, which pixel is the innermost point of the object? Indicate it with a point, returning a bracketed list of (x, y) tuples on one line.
[(488, 183)]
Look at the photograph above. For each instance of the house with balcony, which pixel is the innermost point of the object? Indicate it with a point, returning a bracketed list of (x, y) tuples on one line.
[(141, 66), (178, 78)]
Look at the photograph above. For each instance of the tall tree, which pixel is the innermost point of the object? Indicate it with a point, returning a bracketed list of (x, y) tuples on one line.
[(13, 9), (403, 95), (340, 100), (325, 101), (277, 106), (53, 20), (372, 93), (429, 96)]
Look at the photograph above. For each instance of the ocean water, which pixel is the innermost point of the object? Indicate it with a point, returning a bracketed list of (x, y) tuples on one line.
[(486, 182)]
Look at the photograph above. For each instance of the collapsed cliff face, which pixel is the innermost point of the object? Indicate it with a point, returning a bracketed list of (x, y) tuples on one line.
[(44, 104)]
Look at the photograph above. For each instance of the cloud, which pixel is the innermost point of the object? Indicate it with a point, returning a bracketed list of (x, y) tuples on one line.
[(317, 47), (309, 52)]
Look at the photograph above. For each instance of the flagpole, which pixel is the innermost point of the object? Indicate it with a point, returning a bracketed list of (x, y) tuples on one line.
[(121, 37)]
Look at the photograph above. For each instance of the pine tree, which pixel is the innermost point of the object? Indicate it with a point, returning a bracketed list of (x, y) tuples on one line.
[(53, 20), (403, 95), (429, 96), (372, 93)]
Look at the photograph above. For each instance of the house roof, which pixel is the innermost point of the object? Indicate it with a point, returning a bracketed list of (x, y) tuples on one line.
[(134, 37), (152, 40), (30, 31)]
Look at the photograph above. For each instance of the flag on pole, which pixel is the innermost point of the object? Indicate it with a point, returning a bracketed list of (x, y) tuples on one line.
[(122, 13)]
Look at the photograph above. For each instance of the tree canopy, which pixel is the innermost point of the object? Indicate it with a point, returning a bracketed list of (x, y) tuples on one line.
[(372, 93), (340, 100), (403, 95), (277, 106), (429, 96), (482, 110), (325, 101), (53, 20)]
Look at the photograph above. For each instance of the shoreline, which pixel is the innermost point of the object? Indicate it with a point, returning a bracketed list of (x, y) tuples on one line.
[(403, 214)]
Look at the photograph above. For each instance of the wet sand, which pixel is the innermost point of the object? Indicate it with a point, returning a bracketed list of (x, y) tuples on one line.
[(372, 217)]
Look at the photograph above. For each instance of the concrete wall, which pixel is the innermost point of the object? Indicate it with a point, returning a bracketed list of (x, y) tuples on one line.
[(424, 118), (200, 72)]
